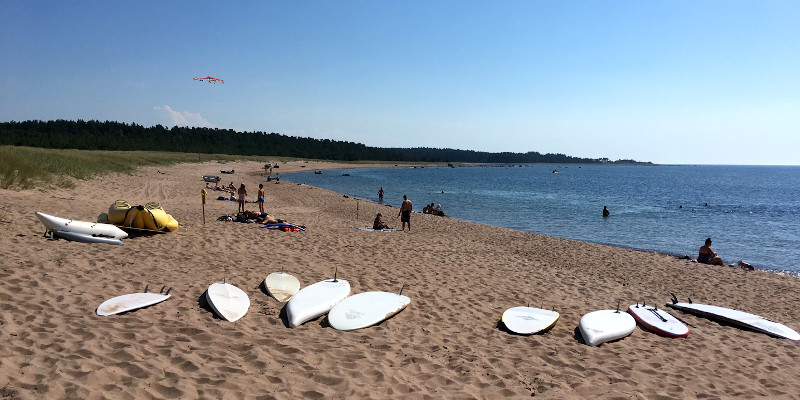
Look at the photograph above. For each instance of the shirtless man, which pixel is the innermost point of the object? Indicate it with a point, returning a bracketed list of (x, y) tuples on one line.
[(405, 213)]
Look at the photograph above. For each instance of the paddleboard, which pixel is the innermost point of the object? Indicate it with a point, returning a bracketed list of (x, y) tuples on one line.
[(86, 238), (228, 301), (315, 300), (57, 224), (281, 285), (529, 320), (129, 302), (602, 326), (363, 228), (366, 309), (740, 318), (658, 321)]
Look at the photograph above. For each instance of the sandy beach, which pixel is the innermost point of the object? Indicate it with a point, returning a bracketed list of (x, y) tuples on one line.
[(448, 343)]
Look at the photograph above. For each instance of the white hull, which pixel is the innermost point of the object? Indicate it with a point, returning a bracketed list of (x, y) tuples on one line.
[(602, 326), (741, 318), (228, 301), (56, 224), (529, 320), (315, 300), (366, 309), (129, 302)]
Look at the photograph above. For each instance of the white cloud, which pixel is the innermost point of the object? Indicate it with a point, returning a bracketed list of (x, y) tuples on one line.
[(170, 118)]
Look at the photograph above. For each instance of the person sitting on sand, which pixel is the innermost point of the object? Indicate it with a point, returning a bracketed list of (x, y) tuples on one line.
[(708, 256), (378, 224), (428, 209), (438, 210)]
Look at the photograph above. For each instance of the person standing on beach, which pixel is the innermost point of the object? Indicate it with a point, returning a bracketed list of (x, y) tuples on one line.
[(380, 194), (405, 213), (261, 198), (242, 194)]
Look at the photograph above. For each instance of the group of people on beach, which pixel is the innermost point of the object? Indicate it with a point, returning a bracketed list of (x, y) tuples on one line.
[(405, 215), (241, 195)]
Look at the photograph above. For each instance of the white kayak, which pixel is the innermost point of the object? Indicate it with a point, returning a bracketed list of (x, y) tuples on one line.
[(315, 300), (130, 302), (366, 309), (740, 318), (658, 321), (57, 224), (281, 285), (228, 301), (86, 238), (529, 320), (602, 326)]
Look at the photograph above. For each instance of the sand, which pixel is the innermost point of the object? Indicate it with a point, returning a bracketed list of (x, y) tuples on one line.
[(448, 343)]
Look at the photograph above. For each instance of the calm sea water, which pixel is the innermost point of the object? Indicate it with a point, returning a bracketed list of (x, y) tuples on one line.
[(752, 213)]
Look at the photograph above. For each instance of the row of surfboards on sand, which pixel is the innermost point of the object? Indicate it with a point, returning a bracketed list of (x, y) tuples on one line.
[(331, 297), (602, 326)]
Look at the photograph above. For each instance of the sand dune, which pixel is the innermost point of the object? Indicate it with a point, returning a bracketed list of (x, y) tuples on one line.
[(448, 343)]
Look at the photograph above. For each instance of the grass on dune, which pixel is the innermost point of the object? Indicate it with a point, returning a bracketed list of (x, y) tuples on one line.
[(29, 167)]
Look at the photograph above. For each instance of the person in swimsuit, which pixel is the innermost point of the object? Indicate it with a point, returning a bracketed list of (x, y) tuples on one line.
[(708, 256), (378, 224), (242, 194), (380, 194), (261, 197), (405, 213)]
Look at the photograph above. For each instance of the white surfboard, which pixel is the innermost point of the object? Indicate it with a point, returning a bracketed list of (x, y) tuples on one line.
[(228, 301), (658, 321), (315, 300), (55, 224), (741, 318), (529, 320), (86, 238), (366, 309), (602, 326), (130, 302), (281, 285)]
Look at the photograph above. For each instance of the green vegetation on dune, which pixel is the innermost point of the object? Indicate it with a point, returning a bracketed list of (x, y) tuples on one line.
[(29, 167)]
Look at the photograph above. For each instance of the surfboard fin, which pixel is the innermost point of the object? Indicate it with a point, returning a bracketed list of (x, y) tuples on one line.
[(674, 298), (167, 291), (336, 272), (618, 303), (401, 289), (145, 288), (162, 289), (690, 300)]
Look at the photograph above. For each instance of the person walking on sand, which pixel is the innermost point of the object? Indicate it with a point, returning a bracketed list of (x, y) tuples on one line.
[(380, 194), (261, 198), (405, 213), (708, 256), (242, 194)]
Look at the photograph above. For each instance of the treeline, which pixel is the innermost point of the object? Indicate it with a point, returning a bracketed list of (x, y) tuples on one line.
[(109, 135)]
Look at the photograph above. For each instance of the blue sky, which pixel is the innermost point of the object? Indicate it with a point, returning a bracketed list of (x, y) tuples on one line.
[(688, 82)]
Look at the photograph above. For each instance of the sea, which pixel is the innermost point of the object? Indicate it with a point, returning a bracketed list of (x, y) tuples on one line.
[(751, 213)]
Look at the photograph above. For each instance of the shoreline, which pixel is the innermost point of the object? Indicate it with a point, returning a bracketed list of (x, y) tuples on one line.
[(461, 276)]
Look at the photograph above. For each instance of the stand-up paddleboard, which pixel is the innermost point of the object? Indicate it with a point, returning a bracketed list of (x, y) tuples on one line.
[(57, 224), (366, 309), (529, 320), (740, 318), (363, 228), (281, 285), (315, 300), (130, 302), (228, 301), (86, 238), (602, 326), (658, 321)]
